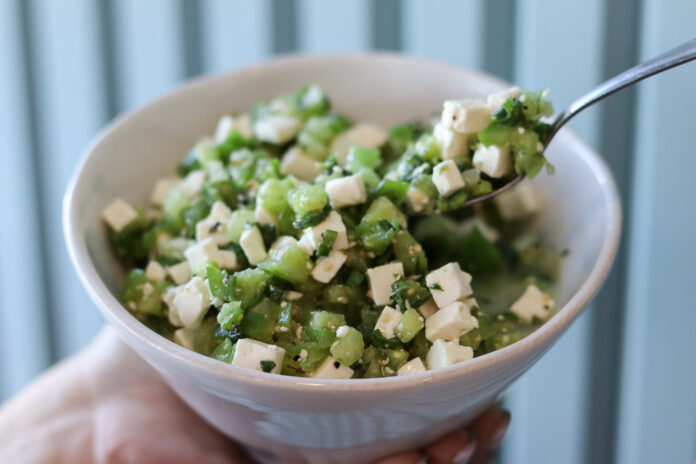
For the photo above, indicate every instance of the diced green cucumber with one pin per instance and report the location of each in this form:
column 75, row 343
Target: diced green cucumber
column 304, row 357
column 139, row 295
column 250, row 285
column 348, row 348
column 238, row 222
column 410, row 253
column 288, row 262
column 478, row 255
column 273, row 194
column 326, row 320
column 395, row 190
column 410, row 324
column 175, row 203
column 475, row 337
column 224, row 351
column 360, row 157
column 259, row 322
column 307, row 198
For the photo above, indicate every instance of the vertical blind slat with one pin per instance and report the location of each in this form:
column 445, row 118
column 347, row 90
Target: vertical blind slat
column 148, row 49
column 621, row 30
column 225, row 47
column 449, row 30
column 71, row 109
column 549, row 402
column 24, row 341
column 333, row 25
column 658, row 404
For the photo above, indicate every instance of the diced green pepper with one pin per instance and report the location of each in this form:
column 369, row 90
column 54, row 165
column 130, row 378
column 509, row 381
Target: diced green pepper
column 259, row 322
column 230, row 314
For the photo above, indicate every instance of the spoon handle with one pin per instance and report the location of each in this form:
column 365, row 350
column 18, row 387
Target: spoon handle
column 675, row 57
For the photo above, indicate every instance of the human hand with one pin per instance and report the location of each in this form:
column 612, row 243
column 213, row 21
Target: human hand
column 89, row 408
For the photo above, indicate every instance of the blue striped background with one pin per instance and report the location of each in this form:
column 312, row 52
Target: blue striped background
column 621, row 384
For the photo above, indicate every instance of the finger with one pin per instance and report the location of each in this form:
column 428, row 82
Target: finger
column 407, row 457
column 455, row 448
column 489, row 428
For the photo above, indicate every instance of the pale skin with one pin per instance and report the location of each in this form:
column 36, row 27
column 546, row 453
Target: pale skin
column 86, row 410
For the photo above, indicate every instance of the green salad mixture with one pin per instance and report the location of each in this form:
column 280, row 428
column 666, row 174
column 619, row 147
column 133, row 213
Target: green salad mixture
column 297, row 241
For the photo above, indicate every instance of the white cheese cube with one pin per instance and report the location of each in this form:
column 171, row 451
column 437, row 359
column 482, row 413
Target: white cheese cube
column 332, row 222
column 184, row 337
column 428, row 308
column 443, row 354
column 495, row 161
column 168, row 298
column 490, row 233
column 192, row 302
column 249, row 353
column 199, row 253
column 220, row 212
column 452, row 144
column 277, row 129
column 448, row 284
column 263, row 216
column 342, row 331
column 282, row 241
column 242, row 122
column 332, row 369
column 447, row 178
column 227, row 259
column 217, row 230
column 417, row 200
column 305, row 242
column 465, row 116
column 533, row 303
column 360, row 135
column 346, row 191
column 471, row 302
column 497, row 100
column 388, row 320
column 162, row 188
column 223, row 129
column 296, row 163
column 118, row 214
column 326, row 267
column 450, row 322
column 252, row 244
column 519, row 202
column 381, row 279
column 192, row 184
column 155, row 272
column 227, row 124
column 414, row 366
column 180, row 273
column 292, row 295
column 215, row 225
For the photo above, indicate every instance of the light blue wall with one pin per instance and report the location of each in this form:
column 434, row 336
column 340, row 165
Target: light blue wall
column 621, row 384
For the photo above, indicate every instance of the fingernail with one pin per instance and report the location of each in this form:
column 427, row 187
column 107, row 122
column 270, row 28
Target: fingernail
column 425, row 460
column 464, row 455
column 499, row 434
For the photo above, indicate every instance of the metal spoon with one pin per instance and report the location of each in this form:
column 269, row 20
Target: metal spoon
column 675, row 57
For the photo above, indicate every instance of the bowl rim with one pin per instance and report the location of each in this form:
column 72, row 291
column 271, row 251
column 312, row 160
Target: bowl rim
column 119, row 317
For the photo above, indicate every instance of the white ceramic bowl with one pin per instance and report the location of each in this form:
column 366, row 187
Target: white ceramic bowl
column 292, row 419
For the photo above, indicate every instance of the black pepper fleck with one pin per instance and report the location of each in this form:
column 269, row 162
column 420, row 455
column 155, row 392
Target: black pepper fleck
column 337, row 364
column 214, row 227
column 296, row 357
